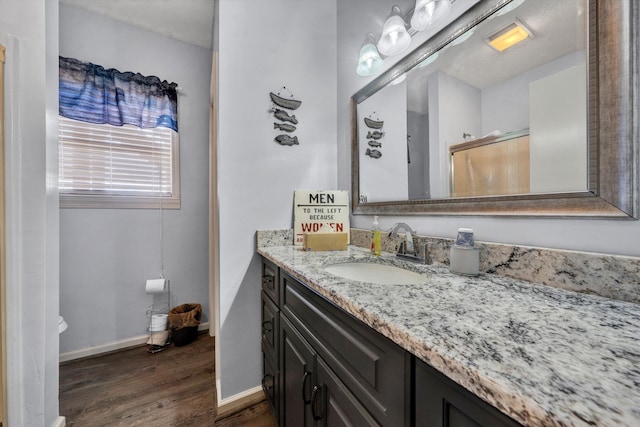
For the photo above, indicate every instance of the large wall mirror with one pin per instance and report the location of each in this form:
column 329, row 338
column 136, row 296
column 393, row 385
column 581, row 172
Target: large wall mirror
column 545, row 127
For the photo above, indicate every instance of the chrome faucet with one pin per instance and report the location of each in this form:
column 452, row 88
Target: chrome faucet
column 407, row 248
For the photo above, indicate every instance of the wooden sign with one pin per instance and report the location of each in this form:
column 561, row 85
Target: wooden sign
column 320, row 212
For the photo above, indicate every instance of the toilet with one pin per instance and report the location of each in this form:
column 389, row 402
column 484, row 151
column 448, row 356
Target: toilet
column 62, row 325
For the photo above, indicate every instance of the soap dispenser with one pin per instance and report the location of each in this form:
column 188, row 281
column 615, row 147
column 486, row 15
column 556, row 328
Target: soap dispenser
column 376, row 243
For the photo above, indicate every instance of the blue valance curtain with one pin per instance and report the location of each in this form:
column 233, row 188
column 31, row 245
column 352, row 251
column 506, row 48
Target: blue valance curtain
column 91, row 93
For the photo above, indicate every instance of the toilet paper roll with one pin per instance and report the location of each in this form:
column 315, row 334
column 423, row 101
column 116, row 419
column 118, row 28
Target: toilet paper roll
column 156, row 286
column 158, row 338
column 158, row 322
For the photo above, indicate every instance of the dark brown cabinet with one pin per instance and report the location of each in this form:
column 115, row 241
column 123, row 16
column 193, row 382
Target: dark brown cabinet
column 324, row 368
column 298, row 368
column 312, row 394
column 440, row 402
column 374, row 369
column 333, row 405
column 270, row 333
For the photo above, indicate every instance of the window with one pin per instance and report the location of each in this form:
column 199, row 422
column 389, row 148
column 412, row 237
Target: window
column 118, row 138
column 106, row 166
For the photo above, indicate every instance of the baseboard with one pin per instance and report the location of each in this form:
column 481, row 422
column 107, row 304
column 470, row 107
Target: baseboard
column 238, row 402
column 112, row 346
column 59, row 422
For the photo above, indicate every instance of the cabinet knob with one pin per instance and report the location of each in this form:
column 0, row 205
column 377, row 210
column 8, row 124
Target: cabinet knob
column 267, row 326
column 267, row 279
column 264, row 382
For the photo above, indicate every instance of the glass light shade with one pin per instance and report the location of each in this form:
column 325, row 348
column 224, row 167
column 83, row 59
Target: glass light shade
column 369, row 61
column 509, row 7
column 399, row 79
column 428, row 12
column 394, row 38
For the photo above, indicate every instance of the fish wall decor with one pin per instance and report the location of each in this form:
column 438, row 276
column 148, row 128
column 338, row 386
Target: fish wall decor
column 289, row 104
column 286, row 140
column 375, row 134
column 374, row 154
column 284, row 116
column 279, row 105
column 374, row 137
column 373, row 124
column 284, row 127
column 285, row 102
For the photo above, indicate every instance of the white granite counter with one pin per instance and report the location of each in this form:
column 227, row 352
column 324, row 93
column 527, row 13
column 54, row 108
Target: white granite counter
column 544, row 356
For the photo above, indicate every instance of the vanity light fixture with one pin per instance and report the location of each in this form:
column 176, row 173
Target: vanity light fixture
column 395, row 38
column 428, row 12
column 510, row 35
column 369, row 61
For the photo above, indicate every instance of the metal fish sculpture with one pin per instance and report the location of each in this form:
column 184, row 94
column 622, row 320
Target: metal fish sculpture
column 374, row 143
column 375, row 134
column 373, row 124
column 375, row 154
column 284, row 116
column 290, row 104
column 286, row 140
column 284, row 126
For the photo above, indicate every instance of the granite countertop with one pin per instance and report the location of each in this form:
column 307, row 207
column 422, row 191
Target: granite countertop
column 542, row 355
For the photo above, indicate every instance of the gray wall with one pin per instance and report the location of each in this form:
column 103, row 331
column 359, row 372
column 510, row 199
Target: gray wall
column 418, row 129
column 106, row 255
column 355, row 19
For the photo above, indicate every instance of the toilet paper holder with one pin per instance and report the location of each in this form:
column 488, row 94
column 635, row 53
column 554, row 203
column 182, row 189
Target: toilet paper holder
column 159, row 335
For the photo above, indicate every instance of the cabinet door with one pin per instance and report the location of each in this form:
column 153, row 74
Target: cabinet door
column 332, row 405
column 298, row 364
column 440, row 402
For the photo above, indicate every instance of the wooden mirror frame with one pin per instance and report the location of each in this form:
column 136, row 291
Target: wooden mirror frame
column 613, row 134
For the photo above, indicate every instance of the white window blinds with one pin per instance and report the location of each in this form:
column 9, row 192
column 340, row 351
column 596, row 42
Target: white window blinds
column 101, row 165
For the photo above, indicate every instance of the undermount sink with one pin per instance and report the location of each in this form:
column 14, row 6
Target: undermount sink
column 370, row 272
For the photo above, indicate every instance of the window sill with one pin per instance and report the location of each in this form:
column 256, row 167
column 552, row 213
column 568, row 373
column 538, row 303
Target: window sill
column 68, row 201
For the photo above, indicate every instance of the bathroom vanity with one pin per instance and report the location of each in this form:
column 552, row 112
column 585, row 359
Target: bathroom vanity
column 487, row 351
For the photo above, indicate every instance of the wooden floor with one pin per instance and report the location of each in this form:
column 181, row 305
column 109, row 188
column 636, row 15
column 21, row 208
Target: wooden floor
column 175, row 387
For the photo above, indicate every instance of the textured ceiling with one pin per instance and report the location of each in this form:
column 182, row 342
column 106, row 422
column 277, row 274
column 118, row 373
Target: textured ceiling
column 558, row 28
column 190, row 21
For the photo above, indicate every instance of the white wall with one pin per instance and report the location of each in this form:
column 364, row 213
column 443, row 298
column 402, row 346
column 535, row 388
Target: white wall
column 386, row 177
column 106, row 255
column 356, row 18
column 265, row 45
column 505, row 106
column 31, row 102
column 558, row 123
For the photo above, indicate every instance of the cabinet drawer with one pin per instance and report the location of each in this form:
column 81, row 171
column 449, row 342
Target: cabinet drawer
column 270, row 280
column 373, row 367
column 270, row 326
